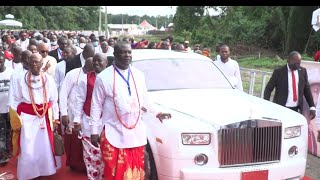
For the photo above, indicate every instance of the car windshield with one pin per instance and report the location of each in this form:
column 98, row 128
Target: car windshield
column 170, row 74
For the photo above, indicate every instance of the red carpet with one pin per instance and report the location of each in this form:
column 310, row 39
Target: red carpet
column 63, row 174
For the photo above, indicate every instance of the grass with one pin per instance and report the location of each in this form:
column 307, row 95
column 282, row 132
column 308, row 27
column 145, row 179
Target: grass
column 264, row 63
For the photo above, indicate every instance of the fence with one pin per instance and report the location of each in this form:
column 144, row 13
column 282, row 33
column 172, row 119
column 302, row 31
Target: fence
column 254, row 81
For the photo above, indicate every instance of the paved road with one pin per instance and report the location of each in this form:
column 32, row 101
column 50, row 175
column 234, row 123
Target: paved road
column 313, row 167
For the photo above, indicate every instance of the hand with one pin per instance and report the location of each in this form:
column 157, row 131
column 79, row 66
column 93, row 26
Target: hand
column 95, row 140
column 46, row 67
column 162, row 116
column 65, row 120
column 312, row 114
column 76, row 126
column 56, row 123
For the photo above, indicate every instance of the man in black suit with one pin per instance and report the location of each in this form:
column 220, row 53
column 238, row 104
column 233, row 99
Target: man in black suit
column 291, row 83
column 79, row 60
column 57, row 53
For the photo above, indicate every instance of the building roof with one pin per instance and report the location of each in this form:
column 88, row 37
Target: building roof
column 120, row 26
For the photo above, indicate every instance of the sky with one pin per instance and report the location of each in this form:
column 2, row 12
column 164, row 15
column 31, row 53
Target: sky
column 148, row 10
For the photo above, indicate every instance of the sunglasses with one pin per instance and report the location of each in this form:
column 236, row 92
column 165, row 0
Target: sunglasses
column 44, row 51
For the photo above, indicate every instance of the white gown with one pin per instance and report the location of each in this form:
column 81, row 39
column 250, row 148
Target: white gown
column 35, row 158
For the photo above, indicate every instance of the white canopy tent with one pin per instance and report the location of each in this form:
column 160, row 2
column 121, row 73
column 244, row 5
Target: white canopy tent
column 10, row 22
column 162, row 29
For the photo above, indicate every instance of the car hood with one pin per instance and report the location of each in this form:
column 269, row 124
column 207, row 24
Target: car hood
column 219, row 106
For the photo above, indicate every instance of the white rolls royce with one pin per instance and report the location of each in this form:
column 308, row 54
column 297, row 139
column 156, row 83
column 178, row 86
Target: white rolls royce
column 216, row 132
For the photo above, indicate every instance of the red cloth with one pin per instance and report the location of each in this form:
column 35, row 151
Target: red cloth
column 27, row 108
column 74, row 151
column 8, row 55
column 317, row 56
column 295, row 97
column 206, row 53
column 91, row 78
column 142, row 44
column 121, row 164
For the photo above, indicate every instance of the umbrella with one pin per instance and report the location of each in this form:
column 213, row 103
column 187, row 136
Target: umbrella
column 10, row 22
column 315, row 22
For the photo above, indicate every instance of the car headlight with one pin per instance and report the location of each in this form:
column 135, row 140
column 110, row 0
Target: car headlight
column 196, row 138
column 292, row 132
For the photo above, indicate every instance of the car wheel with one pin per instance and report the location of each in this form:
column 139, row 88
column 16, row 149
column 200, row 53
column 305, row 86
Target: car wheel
column 150, row 166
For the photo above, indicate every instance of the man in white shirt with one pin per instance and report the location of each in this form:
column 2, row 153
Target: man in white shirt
column 82, row 115
column 186, row 46
column 119, row 94
column 82, row 44
column 67, row 103
column 229, row 67
column 25, row 57
column 69, row 52
column 105, row 48
column 5, row 138
column 23, row 42
column 53, row 43
column 15, row 63
column 49, row 62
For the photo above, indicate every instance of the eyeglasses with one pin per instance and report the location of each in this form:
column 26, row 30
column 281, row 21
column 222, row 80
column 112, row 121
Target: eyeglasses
column 44, row 51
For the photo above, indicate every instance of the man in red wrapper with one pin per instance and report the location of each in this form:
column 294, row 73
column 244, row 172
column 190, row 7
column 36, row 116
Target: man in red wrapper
column 119, row 94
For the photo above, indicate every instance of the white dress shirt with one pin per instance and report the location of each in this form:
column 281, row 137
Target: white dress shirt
column 18, row 73
column 23, row 44
column 60, row 73
column 127, row 107
column 83, row 61
column 67, row 93
column 108, row 53
column 290, row 102
column 79, row 115
column 13, row 65
column 20, row 92
column 59, row 53
column 79, row 50
column 232, row 71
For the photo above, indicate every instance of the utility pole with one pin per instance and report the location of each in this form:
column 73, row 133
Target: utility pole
column 106, row 22
column 122, row 23
column 99, row 20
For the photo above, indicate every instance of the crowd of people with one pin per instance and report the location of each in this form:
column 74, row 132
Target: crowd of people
column 54, row 86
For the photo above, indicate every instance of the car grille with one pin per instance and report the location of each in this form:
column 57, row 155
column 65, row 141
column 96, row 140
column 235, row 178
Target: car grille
column 253, row 145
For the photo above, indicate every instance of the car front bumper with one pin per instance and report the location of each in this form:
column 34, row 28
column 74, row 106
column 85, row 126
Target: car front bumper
column 293, row 170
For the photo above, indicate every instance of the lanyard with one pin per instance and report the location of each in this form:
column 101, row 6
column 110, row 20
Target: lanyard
column 126, row 80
